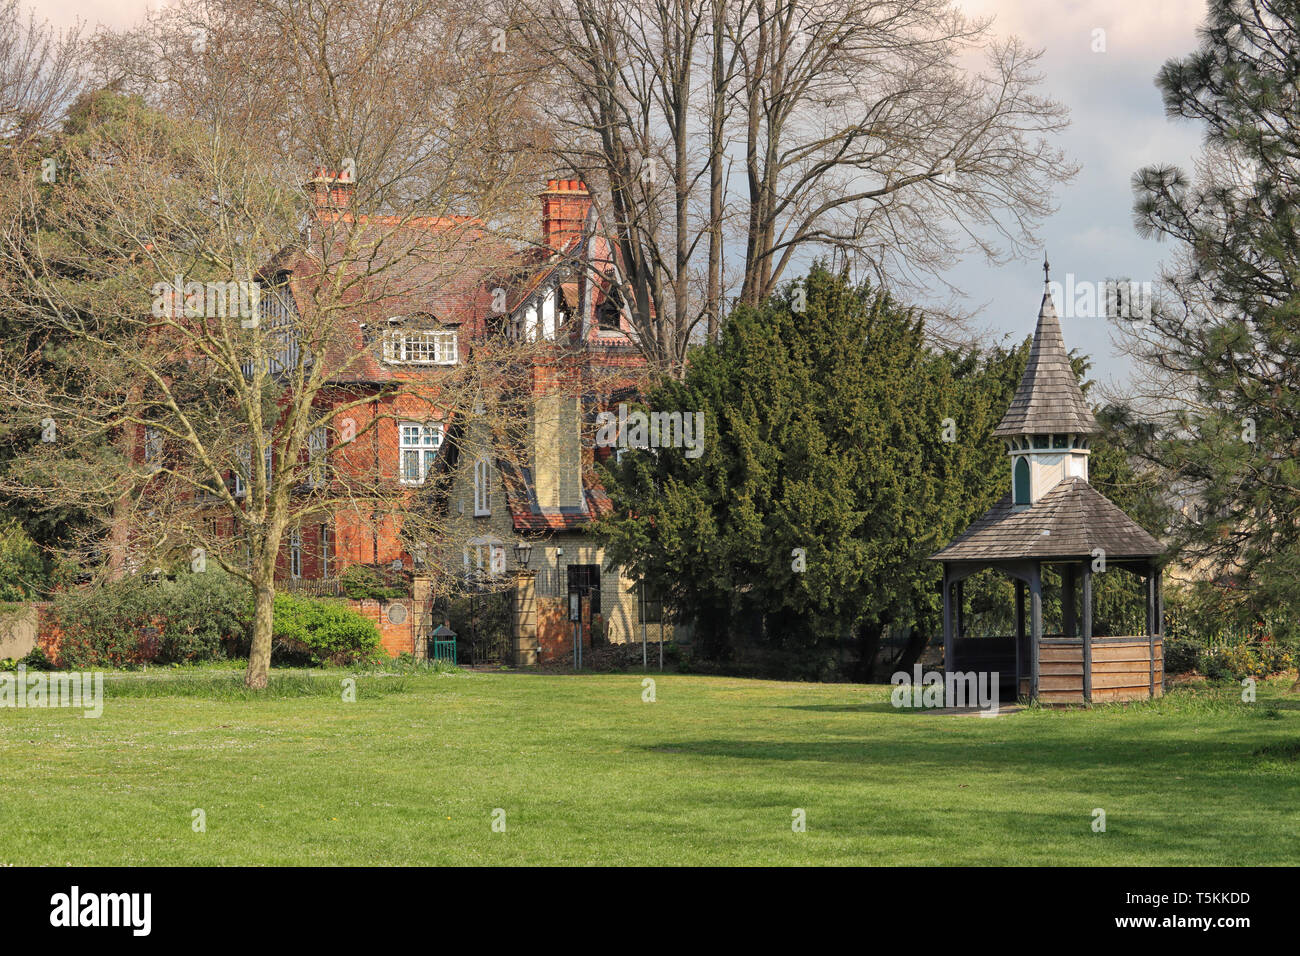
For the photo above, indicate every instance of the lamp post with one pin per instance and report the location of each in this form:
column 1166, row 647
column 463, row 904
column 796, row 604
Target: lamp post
column 523, row 553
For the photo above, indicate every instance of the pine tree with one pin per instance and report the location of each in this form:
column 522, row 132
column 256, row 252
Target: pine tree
column 1226, row 340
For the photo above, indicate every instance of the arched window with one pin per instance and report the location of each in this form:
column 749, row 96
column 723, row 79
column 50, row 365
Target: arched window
column 1021, row 484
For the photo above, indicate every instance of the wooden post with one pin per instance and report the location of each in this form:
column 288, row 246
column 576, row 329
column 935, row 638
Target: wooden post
column 1087, row 631
column 1160, row 625
column 1069, row 621
column 1151, row 628
column 947, row 623
column 960, row 588
column 1035, row 626
column 1020, row 629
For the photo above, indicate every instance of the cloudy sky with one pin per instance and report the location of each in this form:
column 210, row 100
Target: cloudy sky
column 1118, row 126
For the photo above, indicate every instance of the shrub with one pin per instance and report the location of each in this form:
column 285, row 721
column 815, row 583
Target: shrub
column 361, row 582
column 137, row 619
column 1240, row 661
column 322, row 631
column 1181, row 657
column 33, row 660
column 22, row 571
column 206, row 616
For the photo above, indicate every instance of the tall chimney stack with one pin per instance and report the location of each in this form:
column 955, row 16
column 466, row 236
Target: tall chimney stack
column 330, row 190
column 565, row 204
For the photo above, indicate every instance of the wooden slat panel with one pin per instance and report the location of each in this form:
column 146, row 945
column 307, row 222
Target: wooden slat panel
column 1121, row 693
column 1141, row 671
column 1060, row 667
column 1071, row 654
column 1131, row 679
column 1120, row 667
column 1061, row 697
column 1120, row 652
column 1060, row 683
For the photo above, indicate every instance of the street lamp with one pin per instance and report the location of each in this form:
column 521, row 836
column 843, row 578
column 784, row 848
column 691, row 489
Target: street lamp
column 523, row 553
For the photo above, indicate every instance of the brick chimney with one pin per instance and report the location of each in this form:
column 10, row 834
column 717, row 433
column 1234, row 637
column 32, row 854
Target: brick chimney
column 565, row 204
column 330, row 190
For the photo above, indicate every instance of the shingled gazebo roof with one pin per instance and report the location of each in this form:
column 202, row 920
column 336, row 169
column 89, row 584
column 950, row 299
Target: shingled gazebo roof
column 1048, row 398
column 1071, row 521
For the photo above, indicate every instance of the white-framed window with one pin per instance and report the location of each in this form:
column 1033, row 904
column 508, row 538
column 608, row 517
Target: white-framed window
column 421, row 347
column 326, row 550
column 418, row 448
column 317, row 463
column 244, row 455
column 295, row 553
column 485, row 555
column 482, row 486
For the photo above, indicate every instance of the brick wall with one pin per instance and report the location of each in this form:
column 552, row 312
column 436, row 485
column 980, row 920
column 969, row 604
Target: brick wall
column 397, row 638
column 555, row 631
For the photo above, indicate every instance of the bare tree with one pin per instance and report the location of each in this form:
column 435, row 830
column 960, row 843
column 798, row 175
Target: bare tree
column 227, row 329
column 856, row 126
column 39, row 74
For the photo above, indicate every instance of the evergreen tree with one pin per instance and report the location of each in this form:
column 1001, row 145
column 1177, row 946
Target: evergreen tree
column 841, row 452
column 1225, row 342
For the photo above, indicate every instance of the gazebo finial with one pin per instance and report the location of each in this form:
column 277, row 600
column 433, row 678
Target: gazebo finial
column 1047, row 274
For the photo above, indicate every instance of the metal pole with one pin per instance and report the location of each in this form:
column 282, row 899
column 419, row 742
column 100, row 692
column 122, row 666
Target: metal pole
column 645, row 649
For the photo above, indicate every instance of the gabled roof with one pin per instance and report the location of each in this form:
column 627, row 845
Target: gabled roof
column 1048, row 398
column 1071, row 520
column 527, row 515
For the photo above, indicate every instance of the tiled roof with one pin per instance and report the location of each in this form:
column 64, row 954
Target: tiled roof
column 527, row 515
column 1071, row 520
column 1048, row 398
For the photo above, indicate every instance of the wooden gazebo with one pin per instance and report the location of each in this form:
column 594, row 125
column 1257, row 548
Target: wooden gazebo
column 1053, row 517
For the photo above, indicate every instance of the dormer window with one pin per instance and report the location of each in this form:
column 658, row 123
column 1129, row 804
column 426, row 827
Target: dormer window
column 609, row 316
column 420, row 347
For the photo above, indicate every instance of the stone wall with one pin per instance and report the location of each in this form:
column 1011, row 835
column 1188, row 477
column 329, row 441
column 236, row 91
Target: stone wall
column 18, row 630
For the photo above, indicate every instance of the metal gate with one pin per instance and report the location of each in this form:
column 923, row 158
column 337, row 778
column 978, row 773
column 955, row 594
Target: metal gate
column 482, row 622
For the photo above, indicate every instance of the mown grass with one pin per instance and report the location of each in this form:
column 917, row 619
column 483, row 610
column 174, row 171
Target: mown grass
column 587, row 772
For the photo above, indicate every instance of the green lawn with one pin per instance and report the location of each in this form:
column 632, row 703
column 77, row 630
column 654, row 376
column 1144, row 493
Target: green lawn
column 586, row 772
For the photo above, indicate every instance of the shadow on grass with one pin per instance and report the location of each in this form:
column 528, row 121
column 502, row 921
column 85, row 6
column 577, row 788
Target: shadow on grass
column 880, row 707
column 1150, row 758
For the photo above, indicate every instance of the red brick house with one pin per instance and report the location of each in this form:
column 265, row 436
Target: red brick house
column 557, row 293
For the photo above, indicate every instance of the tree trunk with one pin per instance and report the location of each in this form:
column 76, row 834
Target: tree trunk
column 259, row 653
column 717, row 151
